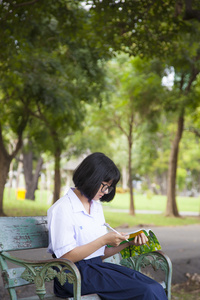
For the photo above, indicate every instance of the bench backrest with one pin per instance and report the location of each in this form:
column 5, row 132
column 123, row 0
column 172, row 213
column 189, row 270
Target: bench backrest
column 19, row 233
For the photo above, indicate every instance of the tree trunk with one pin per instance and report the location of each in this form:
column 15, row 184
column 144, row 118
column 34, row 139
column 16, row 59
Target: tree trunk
column 28, row 172
column 171, row 209
column 161, row 180
column 5, row 161
column 10, row 182
column 19, row 171
column 132, row 208
column 31, row 179
column 57, row 177
column 48, row 177
column 124, row 178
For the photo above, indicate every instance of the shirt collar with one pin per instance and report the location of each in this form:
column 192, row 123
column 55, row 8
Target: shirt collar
column 75, row 201
column 77, row 204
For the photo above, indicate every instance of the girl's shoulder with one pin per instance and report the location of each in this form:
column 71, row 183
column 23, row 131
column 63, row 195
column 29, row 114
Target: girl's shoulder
column 64, row 203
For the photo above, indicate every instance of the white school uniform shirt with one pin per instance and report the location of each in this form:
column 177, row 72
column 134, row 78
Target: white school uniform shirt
column 70, row 225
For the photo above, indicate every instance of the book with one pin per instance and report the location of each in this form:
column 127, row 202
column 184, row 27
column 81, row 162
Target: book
column 132, row 250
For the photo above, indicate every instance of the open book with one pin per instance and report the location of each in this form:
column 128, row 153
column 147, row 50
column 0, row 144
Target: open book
column 152, row 244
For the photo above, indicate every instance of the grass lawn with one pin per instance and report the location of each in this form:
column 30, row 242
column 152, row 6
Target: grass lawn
column 155, row 202
column 117, row 219
column 14, row 207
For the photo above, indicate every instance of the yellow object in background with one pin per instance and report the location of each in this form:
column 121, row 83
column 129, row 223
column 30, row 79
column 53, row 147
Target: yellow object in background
column 21, row 193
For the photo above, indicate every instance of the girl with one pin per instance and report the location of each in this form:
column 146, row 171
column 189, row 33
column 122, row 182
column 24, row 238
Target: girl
column 77, row 232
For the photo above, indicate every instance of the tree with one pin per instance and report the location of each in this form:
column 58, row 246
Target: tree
column 168, row 30
column 151, row 155
column 133, row 98
column 46, row 74
column 31, row 178
column 192, row 132
column 189, row 168
column 6, row 157
column 186, row 69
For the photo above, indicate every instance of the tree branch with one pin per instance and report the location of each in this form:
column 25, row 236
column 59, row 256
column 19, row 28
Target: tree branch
column 118, row 124
column 17, row 147
column 193, row 76
column 191, row 13
column 195, row 131
column 2, row 147
column 26, row 3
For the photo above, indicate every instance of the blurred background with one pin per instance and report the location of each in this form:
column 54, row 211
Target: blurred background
column 113, row 76
column 119, row 77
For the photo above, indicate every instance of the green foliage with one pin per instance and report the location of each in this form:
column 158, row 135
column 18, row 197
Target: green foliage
column 152, row 150
column 146, row 28
column 181, row 178
column 133, row 95
column 52, row 63
column 138, row 27
column 47, row 75
column 189, row 159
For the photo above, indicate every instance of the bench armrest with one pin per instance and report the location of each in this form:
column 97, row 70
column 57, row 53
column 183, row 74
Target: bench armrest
column 156, row 259
column 40, row 271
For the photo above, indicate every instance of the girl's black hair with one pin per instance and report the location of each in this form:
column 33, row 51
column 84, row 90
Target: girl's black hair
column 93, row 170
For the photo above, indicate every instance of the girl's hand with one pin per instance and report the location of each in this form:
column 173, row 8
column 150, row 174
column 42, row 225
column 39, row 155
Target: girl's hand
column 114, row 239
column 139, row 240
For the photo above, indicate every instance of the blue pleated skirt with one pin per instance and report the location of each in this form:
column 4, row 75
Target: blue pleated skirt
column 112, row 282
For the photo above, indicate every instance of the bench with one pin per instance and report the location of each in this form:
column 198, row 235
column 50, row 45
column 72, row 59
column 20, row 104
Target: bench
column 23, row 233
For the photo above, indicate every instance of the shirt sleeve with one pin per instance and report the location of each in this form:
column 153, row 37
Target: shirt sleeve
column 61, row 231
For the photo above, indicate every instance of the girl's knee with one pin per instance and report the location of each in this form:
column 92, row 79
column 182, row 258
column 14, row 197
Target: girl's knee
column 154, row 291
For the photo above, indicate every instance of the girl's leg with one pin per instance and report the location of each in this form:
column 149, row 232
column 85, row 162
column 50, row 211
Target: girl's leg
column 112, row 282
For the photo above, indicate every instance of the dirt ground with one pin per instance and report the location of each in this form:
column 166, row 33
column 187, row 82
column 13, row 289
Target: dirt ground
column 189, row 290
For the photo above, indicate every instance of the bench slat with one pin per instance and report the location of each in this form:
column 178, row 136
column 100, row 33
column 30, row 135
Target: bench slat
column 19, row 233
column 14, row 278
column 53, row 297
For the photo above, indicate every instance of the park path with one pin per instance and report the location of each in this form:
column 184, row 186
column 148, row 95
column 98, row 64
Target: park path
column 153, row 212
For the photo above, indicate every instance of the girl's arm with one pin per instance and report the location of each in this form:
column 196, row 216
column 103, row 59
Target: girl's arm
column 109, row 251
column 139, row 240
column 83, row 251
column 111, row 238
